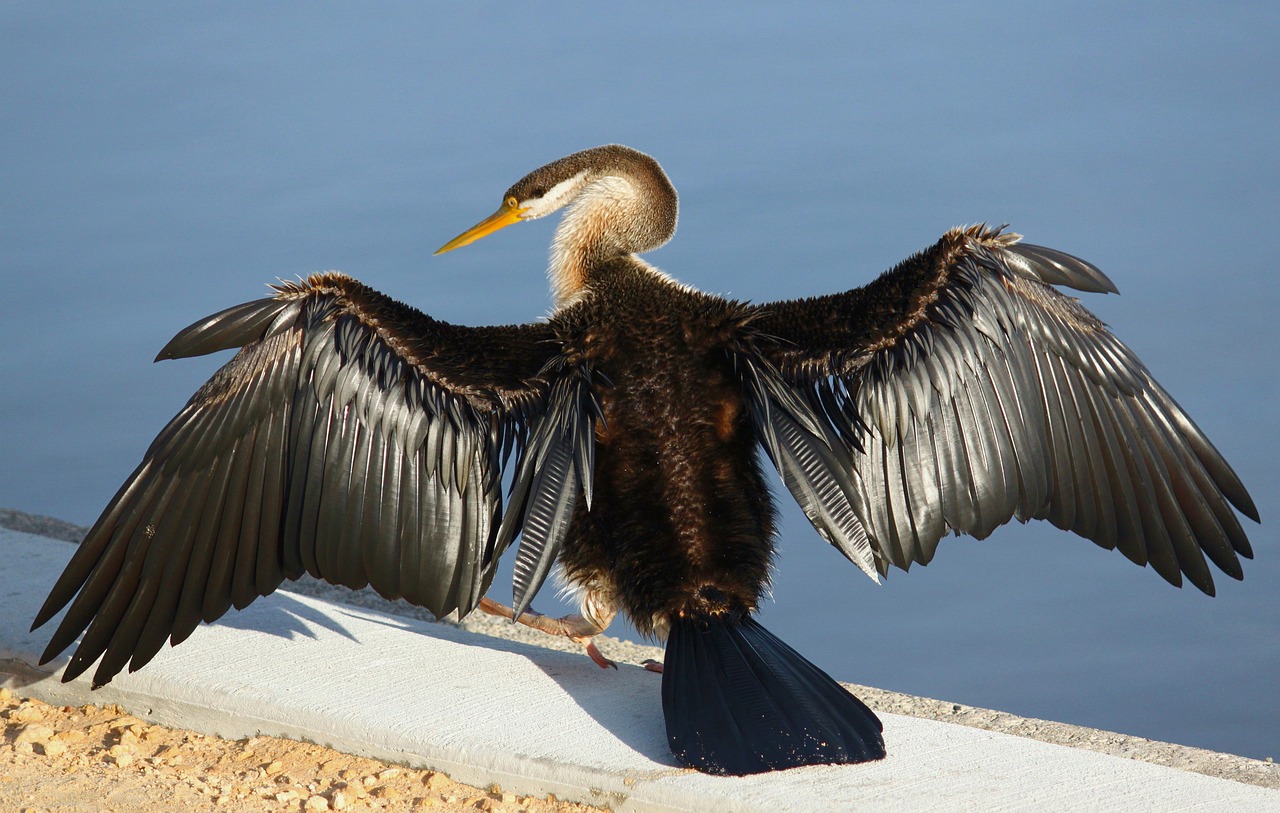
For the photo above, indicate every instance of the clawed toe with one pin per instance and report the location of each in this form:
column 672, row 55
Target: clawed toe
column 594, row 652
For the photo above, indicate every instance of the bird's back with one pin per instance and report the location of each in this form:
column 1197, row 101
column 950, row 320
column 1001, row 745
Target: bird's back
column 681, row 519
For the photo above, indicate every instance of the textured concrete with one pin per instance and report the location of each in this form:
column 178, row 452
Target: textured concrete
column 539, row 721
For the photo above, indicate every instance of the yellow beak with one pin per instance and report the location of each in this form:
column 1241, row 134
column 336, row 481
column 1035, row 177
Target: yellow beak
column 505, row 216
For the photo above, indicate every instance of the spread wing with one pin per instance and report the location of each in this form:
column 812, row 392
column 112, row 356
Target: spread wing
column 961, row 390
column 352, row 438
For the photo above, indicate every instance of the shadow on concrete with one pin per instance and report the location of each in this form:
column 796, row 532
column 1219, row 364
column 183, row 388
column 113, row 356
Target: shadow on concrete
column 287, row 617
column 596, row 691
column 638, row 724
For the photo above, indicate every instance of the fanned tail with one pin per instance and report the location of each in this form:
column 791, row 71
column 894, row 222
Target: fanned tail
column 738, row 700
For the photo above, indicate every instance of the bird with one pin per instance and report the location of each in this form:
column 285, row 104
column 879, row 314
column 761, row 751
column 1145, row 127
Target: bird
column 359, row 440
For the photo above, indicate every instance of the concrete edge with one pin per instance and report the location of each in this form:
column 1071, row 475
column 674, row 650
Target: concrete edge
column 1261, row 773
column 210, row 720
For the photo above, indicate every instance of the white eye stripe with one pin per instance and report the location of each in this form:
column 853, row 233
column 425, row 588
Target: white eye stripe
column 554, row 198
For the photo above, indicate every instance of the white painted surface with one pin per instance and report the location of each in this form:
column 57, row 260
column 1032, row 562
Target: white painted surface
column 538, row 721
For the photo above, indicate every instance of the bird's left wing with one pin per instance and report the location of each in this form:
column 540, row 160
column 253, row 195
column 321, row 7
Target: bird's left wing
column 961, row 390
column 353, row 438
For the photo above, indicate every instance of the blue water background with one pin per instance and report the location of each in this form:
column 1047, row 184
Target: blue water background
column 161, row 161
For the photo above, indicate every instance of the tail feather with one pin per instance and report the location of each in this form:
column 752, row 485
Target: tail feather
column 737, row 700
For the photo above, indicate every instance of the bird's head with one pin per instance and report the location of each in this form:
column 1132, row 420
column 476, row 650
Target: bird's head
column 628, row 202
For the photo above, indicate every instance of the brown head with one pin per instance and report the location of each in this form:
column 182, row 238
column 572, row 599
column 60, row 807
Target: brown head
column 619, row 201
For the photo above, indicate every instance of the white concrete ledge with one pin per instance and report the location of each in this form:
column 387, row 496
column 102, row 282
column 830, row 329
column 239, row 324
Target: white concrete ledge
column 537, row 721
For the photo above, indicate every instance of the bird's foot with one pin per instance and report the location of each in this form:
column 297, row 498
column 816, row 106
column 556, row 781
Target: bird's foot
column 651, row 665
column 593, row 652
column 574, row 627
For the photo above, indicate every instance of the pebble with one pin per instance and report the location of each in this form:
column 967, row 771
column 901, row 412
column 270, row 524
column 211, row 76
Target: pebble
column 55, row 748
column 26, row 713
column 126, row 722
column 386, row 792
column 435, row 781
column 339, row 801
column 122, row 754
column 35, row 733
column 316, row 802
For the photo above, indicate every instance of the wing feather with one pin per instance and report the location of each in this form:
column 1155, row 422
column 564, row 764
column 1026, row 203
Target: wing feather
column 809, row 456
column 351, row 437
column 553, row 467
column 965, row 391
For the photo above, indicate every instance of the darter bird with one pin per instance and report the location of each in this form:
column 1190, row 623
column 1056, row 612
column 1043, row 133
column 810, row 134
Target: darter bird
column 363, row 442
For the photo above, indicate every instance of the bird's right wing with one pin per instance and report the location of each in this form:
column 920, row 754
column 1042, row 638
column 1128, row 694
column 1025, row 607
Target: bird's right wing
column 352, row 438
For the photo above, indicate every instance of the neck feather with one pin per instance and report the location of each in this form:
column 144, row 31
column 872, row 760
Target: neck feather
column 613, row 216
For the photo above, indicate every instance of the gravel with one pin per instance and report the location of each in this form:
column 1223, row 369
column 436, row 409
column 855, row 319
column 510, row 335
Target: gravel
column 104, row 759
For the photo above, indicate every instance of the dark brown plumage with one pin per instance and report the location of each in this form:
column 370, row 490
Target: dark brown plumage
column 363, row 442
column 694, row 457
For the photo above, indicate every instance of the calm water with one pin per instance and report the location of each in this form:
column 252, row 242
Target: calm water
column 159, row 164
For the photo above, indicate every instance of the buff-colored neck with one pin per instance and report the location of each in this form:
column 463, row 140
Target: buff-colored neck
column 593, row 230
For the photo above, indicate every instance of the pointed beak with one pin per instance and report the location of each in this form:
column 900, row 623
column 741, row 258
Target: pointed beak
column 508, row 214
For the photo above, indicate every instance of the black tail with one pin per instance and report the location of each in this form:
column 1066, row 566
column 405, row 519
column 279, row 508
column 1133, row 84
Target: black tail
column 738, row 700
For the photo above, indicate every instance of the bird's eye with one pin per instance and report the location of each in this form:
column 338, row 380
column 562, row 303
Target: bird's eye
column 511, row 202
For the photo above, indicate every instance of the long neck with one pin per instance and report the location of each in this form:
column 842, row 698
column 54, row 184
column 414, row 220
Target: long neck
column 619, row 211
column 587, row 235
